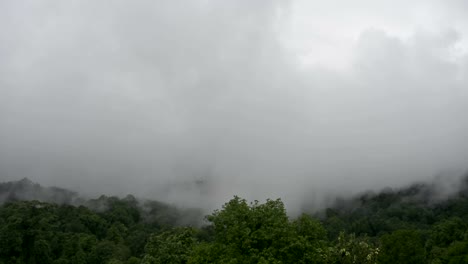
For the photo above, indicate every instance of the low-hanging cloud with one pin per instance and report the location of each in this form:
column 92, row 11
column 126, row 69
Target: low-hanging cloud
column 194, row 102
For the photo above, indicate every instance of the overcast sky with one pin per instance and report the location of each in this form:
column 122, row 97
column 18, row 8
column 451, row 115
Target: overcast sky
column 195, row 101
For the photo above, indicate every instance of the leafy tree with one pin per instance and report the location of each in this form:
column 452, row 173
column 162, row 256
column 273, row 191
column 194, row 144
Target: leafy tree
column 403, row 246
column 260, row 233
column 307, row 242
column 172, row 246
column 456, row 253
column 351, row 249
column 447, row 231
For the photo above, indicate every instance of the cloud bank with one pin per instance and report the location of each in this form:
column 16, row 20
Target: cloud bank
column 193, row 102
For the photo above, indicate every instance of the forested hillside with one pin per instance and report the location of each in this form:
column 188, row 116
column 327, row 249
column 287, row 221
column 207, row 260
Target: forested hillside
column 394, row 226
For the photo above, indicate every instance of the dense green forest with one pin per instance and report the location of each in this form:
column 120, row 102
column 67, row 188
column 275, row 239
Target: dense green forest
column 409, row 225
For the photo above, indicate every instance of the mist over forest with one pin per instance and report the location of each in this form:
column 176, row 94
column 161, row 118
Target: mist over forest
column 272, row 99
column 188, row 104
column 419, row 223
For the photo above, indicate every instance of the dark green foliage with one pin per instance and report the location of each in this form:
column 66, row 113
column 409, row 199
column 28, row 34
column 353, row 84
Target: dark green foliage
column 37, row 232
column 402, row 226
column 260, row 233
column 173, row 246
column 409, row 225
column 402, row 246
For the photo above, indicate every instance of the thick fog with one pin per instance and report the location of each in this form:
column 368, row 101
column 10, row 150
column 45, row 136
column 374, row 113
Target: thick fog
column 192, row 102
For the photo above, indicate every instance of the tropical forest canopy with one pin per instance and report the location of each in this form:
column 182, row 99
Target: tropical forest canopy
column 393, row 226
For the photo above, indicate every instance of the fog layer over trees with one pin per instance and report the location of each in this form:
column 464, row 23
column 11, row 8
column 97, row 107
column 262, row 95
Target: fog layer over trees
column 195, row 102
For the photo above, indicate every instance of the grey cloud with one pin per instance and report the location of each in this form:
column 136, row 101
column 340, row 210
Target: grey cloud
column 160, row 98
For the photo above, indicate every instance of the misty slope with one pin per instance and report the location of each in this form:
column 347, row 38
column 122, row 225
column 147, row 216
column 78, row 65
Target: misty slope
column 431, row 194
column 421, row 223
column 25, row 189
column 148, row 210
column 418, row 206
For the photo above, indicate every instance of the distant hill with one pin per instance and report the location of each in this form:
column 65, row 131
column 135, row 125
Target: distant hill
column 25, row 189
column 150, row 210
column 418, row 206
column 435, row 193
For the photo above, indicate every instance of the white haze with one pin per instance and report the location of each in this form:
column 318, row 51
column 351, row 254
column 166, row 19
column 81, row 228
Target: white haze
column 192, row 102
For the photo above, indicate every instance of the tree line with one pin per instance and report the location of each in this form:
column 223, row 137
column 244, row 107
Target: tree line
column 401, row 226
